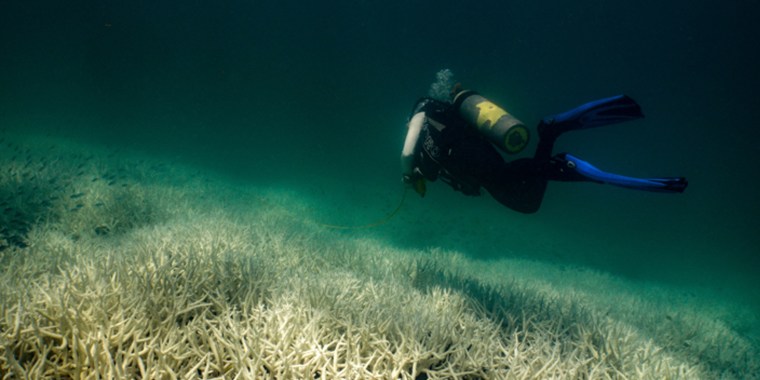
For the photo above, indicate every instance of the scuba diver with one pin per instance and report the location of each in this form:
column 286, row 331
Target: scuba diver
column 455, row 140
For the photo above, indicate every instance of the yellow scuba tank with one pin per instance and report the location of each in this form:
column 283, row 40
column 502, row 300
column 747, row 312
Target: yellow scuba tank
column 493, row 122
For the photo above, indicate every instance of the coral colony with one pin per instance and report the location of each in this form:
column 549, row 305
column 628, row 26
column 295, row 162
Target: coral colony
column 114, row 265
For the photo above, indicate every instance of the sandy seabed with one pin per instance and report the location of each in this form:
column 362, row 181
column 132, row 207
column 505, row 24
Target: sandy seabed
column 114, row 265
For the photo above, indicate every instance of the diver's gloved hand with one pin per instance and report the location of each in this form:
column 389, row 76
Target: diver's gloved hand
column 416, row 182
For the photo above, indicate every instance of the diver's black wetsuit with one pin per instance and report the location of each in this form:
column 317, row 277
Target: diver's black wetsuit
column 450, row 149
column 440, row 143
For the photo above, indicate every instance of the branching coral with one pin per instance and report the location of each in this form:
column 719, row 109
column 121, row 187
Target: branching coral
column 190, row 290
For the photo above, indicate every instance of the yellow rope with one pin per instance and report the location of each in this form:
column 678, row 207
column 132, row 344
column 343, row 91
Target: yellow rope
column 370, row 225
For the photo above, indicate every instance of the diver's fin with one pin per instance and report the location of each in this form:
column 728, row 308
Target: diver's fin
column 612, row 110
column 577, row 169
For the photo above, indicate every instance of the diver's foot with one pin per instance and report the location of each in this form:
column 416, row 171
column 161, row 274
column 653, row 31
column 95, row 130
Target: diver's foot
column 567, row 167
column 612, row 110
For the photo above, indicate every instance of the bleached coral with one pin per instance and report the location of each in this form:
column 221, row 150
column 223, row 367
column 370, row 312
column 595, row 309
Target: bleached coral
column 204, row 292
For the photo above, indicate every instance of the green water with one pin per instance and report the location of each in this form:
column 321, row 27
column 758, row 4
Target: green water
column 315, row 96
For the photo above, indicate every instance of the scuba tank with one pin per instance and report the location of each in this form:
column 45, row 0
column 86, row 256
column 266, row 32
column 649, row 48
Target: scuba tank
column 493, row 122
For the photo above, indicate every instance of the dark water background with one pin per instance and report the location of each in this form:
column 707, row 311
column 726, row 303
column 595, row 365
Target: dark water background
column 295, row 91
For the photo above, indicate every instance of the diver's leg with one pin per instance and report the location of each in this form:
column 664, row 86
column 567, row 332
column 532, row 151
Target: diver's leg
column 544, row 148
column 520, row 185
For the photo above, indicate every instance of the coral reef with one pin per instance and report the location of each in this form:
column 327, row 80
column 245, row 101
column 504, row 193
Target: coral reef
column 155, row 280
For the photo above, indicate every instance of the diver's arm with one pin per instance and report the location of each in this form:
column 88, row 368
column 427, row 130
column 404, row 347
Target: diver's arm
column 412, row 135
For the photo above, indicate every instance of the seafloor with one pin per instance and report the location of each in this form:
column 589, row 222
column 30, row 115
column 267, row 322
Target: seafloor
column 114, row 264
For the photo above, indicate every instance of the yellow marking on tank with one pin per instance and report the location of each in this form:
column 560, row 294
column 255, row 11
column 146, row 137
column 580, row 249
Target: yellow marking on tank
column 489, row 112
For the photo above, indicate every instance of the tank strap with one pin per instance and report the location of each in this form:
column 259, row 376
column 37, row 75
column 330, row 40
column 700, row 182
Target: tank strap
column 461, row 96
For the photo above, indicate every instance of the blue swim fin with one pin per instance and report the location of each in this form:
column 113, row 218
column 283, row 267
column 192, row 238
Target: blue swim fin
column 589, row 172
column 612, row 110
